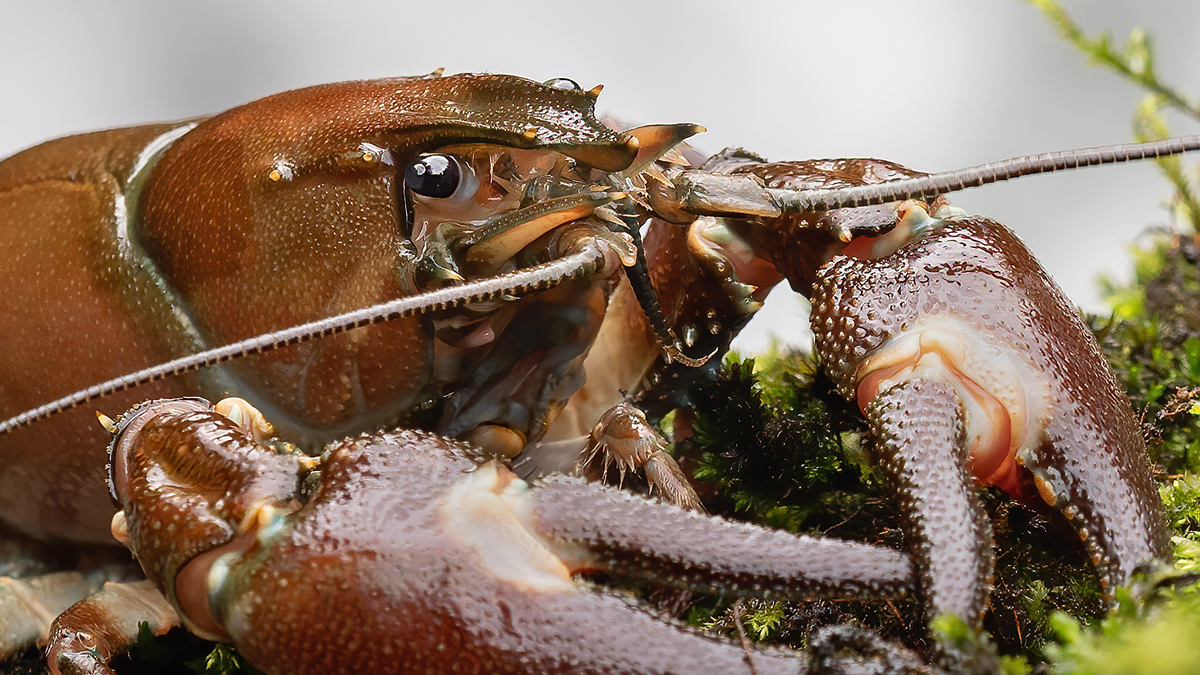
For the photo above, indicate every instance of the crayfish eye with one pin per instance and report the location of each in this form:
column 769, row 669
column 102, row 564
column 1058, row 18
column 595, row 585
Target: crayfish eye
column 436, row 176
column 563, row 83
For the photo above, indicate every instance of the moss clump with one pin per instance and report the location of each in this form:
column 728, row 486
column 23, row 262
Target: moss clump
column 1158, row 634
column 1153, row 344
column 781, row 446
column 222, row 660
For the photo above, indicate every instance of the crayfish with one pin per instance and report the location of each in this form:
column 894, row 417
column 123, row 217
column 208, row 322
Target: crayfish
column 484, row 275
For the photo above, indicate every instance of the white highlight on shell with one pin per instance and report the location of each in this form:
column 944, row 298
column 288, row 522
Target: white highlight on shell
column 137, row 178
column 489, row 511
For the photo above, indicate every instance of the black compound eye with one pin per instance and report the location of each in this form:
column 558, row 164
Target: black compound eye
column 563, row 83
column 433, row 176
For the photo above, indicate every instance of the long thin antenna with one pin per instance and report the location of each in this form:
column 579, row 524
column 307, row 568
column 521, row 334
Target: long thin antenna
column 543, row 276
column 953, row 181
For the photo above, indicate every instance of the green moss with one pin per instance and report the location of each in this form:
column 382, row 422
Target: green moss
column 1153, row 345
column 780, row 444
column 1159, row 635
column 1181, row 501
column 760, row 619
column 222, row 660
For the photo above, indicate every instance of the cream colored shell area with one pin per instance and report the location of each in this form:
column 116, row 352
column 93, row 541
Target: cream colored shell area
column 1004, row 397
column 489, row 511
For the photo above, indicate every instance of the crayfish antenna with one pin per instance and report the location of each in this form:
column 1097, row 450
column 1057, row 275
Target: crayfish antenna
column 638, row 275
column 699, row 192
column 975, row 176
column 514, row 283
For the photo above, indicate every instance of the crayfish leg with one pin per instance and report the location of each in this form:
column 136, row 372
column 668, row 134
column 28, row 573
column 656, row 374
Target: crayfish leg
column 27, row 604
column 623, row 441
column 85, row 637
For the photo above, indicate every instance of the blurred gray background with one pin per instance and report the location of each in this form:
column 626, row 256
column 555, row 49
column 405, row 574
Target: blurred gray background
column 934, row 84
